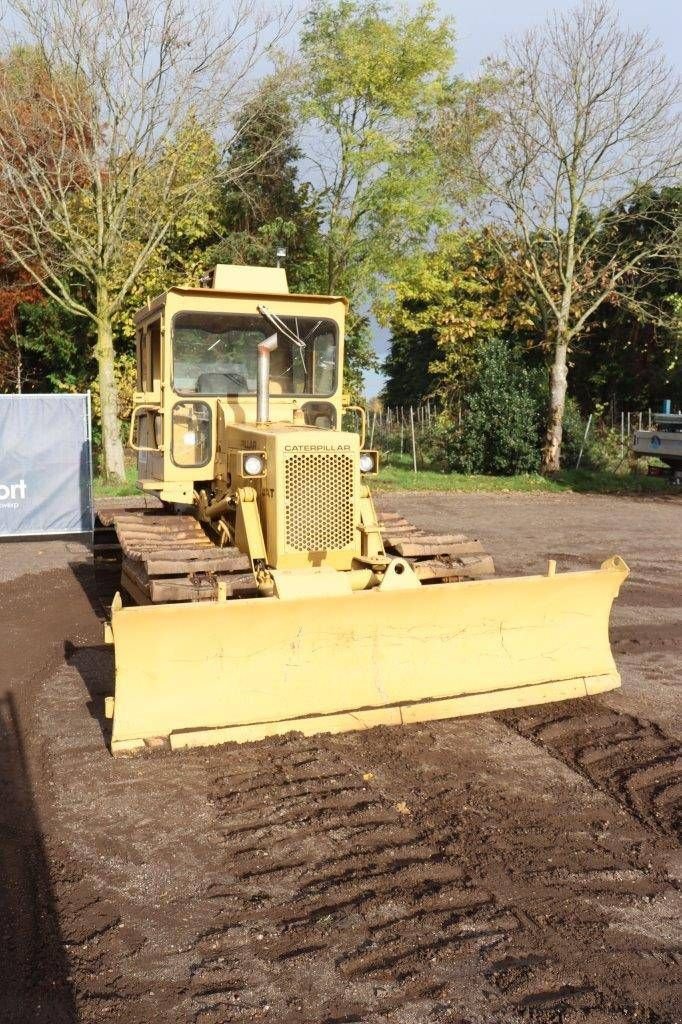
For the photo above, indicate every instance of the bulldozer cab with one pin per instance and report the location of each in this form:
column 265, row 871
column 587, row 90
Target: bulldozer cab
column 197, row 367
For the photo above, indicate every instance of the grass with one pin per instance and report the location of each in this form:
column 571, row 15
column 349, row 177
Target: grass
column 604, row 482
column 103, row 489
column 401, row 478
column 397, row 475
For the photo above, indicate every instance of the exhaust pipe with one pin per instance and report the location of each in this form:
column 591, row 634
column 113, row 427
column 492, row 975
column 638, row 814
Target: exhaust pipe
column 263, row 379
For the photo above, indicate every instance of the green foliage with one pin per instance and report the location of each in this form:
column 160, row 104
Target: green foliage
column 446, row 301
column 264, row 205
column 602, row 449
column 371, row 83
column 56, row 351
column 500, row 428
column 360, row 353
column 463, row 291
column 180, row 258
column 374, row 120
column 409, row 377
column 55, row 347
column 392, row 65
column 632, row 347
column 573, row 434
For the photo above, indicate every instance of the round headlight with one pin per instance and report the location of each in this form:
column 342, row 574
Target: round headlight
column 253, row 465
column 366, row 463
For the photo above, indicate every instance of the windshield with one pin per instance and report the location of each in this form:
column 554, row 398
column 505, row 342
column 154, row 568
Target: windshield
column 215, row 354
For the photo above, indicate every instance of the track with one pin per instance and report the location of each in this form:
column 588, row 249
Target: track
column 374, row 860
column 632, row 760
column 169, row 558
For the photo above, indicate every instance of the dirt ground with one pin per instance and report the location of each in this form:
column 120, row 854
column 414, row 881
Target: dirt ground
column 518, row 867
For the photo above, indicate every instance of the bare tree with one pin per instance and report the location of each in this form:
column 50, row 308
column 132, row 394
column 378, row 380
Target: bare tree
column 91, row 160
column 583, row 126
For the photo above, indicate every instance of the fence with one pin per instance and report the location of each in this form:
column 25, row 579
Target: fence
column 45, row 465
column 401, row 429
column 629, row 422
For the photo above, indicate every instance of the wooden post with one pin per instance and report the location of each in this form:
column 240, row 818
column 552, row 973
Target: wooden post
column 414, row 443
column 587, row 430
column 641, row 415
column 374, row 423
column 402, row 432
column 649, row 427
column 622, row 435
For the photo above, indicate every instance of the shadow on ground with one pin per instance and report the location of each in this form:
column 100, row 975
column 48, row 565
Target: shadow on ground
column 95, row 666
column 34, row 973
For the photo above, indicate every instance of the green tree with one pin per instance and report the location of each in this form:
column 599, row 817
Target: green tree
column 55, row 346
column 447, row 301
column 632, row 349
column 500, row 429
column 584, row 122
column 89, row 198
column 181, row 255
column 372, row 81
column 264, row 205
column 408, row 367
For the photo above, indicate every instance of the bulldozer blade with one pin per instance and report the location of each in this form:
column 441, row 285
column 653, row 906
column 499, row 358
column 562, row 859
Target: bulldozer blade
column 204, row 673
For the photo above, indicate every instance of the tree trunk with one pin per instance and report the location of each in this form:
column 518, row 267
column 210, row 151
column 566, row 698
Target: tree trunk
column 551, row 453
column 112, row 447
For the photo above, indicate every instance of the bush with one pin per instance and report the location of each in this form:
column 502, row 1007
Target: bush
column 572, row 436
column 500, row 429
column 602, row 449
column 436, row 444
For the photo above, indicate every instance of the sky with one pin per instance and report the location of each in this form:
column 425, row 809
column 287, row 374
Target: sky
column 481, row 26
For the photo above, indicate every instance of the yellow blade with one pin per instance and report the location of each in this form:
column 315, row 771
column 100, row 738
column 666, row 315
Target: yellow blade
column 245, row 669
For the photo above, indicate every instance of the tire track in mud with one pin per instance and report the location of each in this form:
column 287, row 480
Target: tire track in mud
column 391, row 894
column 105, row 953
column 630, row 759
column 323, row 866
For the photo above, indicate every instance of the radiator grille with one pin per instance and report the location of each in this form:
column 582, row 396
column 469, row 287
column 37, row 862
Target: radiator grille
column 319, row 502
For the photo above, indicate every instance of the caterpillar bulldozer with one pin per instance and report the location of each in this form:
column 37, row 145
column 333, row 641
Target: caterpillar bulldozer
column 263, row 593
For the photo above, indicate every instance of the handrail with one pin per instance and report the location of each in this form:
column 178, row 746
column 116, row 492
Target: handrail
column 363, row 420
column 137, row 409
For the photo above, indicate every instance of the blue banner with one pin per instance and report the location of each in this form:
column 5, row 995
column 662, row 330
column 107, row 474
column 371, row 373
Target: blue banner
column 45, row 465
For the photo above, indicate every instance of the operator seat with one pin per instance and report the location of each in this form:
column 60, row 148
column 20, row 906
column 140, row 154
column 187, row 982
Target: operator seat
column 222, row 384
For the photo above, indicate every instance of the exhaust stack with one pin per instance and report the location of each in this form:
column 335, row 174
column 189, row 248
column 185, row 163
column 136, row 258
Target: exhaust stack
column 263, row 379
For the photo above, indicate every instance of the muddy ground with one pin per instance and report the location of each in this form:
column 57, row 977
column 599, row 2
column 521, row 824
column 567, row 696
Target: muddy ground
column 518, row 867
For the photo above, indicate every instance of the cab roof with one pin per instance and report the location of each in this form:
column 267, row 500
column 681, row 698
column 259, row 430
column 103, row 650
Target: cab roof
column 244, row 282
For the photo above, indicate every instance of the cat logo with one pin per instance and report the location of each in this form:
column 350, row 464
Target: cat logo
column 316, row 447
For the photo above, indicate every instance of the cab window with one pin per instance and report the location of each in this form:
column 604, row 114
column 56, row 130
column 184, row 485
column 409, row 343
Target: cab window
column 215, row 354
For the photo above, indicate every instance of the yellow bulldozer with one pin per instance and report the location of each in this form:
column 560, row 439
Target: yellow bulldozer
column 263, row 594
